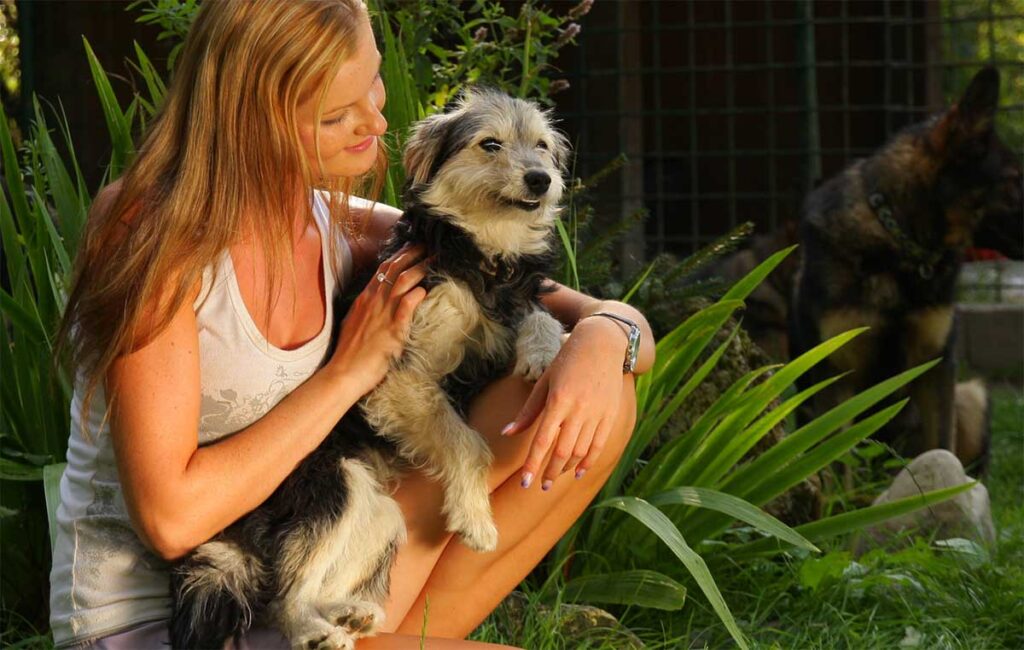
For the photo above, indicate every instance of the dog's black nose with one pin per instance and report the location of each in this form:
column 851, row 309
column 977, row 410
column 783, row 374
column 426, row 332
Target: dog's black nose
column 537, row 181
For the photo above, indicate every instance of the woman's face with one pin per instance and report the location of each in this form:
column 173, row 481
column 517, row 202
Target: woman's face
column 351, row 120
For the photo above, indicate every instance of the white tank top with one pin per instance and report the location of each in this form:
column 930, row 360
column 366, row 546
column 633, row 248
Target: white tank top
column 103, row 579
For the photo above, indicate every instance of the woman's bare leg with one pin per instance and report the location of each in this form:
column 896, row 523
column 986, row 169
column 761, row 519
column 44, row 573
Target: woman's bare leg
column 463, row 586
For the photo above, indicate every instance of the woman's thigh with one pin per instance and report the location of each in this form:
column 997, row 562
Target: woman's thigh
column 421, row 498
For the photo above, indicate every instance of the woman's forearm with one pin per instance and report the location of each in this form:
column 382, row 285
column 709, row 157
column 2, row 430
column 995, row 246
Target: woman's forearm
column 227, row 479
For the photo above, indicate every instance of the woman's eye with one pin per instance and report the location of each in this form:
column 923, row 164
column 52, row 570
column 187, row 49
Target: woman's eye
column 542, row 145
column 490, row 145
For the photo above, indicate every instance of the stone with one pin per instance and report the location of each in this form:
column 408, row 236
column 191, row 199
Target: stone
column 967, row 515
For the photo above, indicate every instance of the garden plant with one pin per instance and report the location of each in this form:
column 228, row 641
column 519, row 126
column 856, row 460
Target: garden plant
column 685, row 515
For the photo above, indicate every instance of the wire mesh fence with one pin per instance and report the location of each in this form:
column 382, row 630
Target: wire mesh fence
column 731, row 111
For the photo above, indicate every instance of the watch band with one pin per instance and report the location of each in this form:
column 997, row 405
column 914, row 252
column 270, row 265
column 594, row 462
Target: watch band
column 633, row 336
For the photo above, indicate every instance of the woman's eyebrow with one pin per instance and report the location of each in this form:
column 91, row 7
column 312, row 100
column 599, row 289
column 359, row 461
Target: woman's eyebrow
column 336, row 109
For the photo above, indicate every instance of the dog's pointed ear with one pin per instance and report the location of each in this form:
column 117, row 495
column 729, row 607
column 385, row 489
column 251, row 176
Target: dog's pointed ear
column 971, row 118
column 424, row 145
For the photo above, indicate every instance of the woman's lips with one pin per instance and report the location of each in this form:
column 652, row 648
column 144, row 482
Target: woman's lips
column 362, row 146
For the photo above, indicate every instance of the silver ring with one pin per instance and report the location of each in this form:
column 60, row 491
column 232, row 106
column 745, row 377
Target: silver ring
column 383, row 278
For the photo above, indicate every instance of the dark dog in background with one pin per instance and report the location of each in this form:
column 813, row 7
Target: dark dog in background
column 881, row 246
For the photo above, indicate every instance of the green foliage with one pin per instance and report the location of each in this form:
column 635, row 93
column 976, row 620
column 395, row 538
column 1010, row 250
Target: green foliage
column 42, row 216
column 696, row 483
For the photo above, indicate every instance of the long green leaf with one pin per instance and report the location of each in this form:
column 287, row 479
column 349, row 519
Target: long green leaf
column 748, row 478
column 641, row 587
column 656, row 475
column 749, row 437
column 16, row 214
column 735, row 507
column 27, row 323
column 850, row 521
column 639, row 283
column 14, row 471
column 750, row 281
column 661, row 526
column 118, row 125
column 786, row 477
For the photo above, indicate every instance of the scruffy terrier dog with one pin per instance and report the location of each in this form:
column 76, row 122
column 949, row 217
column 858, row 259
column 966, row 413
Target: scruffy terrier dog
column 882, row 244
column 484, row 186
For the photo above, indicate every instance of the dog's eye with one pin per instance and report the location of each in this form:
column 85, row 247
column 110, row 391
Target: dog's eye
column 490, row 145
column 542, row 145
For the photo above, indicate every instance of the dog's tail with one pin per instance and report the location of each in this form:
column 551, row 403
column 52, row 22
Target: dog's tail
column 216, row 591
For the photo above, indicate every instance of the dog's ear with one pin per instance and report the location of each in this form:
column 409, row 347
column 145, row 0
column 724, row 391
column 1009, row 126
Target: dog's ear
column 560, row 148
column 972, row 118
column 423, row 147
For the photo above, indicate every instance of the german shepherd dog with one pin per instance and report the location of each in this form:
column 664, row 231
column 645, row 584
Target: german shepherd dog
column 485, row 180
column 882, row 244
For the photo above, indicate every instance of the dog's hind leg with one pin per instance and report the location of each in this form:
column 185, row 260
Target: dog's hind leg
column 411, row 409
column 216, row 591
column 325, row 567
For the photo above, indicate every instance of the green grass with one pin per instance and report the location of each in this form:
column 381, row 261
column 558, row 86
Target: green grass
column 882, row 599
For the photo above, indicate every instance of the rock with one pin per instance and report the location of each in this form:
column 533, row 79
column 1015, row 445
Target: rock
column 581, row 626
column 966, row 515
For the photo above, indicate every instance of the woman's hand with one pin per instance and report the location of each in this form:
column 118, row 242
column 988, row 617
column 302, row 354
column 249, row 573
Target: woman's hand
column 577, row 399
column 376, row 327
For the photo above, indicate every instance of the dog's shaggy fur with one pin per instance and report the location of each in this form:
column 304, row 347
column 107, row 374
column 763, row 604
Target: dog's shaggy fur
column 484, row 186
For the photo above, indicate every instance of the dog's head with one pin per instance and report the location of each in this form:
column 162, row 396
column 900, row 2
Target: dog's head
column 957, row 163
column 493, row 164
column 980, row 177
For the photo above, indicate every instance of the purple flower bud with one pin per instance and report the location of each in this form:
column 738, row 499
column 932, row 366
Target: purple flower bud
column 567, row 34
column 582, row 9
column 480, row 34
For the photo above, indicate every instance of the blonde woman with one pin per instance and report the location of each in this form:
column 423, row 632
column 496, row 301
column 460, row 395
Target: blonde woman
column 198, row 323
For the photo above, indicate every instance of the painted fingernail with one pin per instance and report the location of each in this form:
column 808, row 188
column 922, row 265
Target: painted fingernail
column 580, row 473
column 546, row 485
column 527, row 479
column 508, row 428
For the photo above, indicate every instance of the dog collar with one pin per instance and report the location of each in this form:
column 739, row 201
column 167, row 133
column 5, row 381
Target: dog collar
column 923, row 259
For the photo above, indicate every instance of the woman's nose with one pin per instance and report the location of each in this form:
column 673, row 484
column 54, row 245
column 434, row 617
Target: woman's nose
column 373, row 121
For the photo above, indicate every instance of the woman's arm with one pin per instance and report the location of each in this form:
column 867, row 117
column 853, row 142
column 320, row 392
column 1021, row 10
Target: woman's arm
column 577, row 399
column 178, row 494
column 570, row 306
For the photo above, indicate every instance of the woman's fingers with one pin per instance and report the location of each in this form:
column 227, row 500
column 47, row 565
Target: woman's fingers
column 547, row 432
column 596, row 446
column 563, row 450
column 582, row 448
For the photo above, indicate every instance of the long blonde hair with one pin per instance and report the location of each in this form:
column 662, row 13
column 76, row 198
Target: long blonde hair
column 222, row 155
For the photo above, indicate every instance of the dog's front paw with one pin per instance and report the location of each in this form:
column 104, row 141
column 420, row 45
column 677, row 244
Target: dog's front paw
column 359, row 619
column 335, row 638
column 531, row 367
column 478, row 532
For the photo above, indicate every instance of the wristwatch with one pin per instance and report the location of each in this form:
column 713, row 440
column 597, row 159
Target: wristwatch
column 633, row 345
